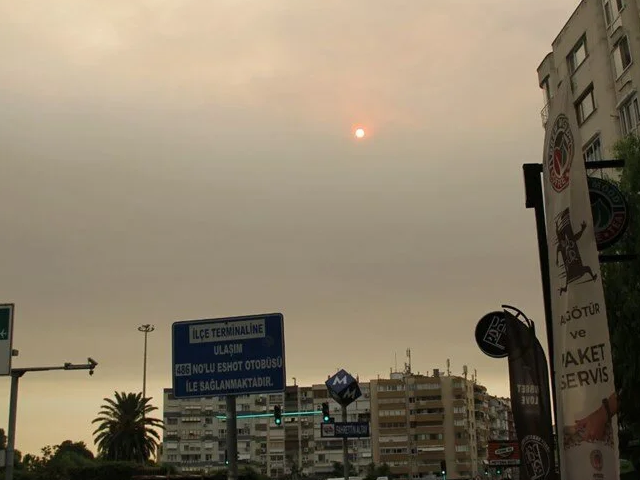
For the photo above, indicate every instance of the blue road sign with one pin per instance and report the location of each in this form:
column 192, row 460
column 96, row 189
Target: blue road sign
column 228, row 356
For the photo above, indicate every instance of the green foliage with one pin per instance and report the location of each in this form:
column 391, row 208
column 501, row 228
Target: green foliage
column 64, row 469
column 622, row 292
column 374, row 471
column 125, row 430
column 338, row 469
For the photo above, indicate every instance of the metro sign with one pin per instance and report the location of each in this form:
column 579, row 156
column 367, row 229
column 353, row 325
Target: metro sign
column 343, row 388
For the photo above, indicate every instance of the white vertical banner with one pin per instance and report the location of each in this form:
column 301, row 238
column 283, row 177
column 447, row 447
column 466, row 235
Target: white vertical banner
column 587, row 403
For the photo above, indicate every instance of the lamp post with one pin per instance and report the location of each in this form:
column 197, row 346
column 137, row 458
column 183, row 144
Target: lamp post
column 146, row 329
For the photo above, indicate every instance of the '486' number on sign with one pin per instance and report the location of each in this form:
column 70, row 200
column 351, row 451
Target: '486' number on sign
column 183, row 369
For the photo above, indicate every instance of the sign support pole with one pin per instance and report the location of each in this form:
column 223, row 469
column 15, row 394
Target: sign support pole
column 11, row 434
column 345, row 447
column 232, row 438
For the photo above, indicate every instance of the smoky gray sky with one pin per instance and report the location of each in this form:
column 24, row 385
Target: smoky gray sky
column 171, row 159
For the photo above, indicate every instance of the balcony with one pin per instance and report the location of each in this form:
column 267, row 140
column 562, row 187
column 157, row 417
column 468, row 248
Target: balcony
column 544, row 113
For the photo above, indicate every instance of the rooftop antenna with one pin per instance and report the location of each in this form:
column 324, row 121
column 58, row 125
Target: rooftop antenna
column 464, row 371
column 407, row 366
column 448, row 367
column 395, row 361
column 475, row 375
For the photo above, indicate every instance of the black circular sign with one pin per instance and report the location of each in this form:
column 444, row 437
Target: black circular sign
column 491, row 333
column 609, row 210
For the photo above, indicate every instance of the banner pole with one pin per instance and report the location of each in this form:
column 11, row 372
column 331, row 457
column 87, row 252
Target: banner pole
column 534, row 199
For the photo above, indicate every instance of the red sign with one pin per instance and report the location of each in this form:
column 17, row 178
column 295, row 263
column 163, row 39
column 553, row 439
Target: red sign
column 503, row 453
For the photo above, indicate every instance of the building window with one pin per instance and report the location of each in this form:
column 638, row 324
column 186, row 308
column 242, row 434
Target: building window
column 577, row 55
column 612, row 9
column 630, row 116
column 593, row 151
column 546, row 93
column 621, row 56
column 608, row 14
column 585, row 105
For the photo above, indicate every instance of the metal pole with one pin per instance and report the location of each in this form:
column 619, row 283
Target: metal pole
column 144, row 368
column 534, row 199
column 146, row 329
column 345, row 447
column 11, row 435
column 232, row 438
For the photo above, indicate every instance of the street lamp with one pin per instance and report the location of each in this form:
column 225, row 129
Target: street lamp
column 146, row 329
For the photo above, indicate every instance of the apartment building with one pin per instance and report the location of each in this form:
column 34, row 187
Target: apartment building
column 195, row 434
column 416, row 421
column 501, row 426
column 598, row 51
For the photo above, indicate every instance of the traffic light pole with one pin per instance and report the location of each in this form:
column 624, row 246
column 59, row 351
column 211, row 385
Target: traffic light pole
column 16, row 373
column 232, row 438
column 345, row 447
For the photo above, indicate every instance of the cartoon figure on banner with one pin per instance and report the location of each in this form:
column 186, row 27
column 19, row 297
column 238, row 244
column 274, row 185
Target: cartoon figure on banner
column 568, row 247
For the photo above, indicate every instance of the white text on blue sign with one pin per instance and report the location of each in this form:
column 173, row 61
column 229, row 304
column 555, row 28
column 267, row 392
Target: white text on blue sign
column 226, row 332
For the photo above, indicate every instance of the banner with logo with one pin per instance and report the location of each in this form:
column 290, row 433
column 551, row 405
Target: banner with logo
column 530, row 400
column 503, row 453
column 587, row 403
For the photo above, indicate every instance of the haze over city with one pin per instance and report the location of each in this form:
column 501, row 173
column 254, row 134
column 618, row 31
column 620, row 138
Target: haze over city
column 168, row 161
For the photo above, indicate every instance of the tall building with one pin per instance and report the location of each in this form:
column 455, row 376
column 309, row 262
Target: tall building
column 598, row 52
column 416, row 422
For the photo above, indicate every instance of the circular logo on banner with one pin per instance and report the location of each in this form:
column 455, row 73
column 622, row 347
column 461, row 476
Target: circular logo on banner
column 610, row 212
column 560, row 153
column 596, row 460
column 538, row 455
column 491, row 334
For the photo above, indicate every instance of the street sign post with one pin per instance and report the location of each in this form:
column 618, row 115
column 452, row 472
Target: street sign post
column 229, row 356
column 6, row 338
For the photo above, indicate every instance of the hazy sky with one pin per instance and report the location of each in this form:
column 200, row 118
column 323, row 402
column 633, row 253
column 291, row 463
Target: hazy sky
column 167, row 160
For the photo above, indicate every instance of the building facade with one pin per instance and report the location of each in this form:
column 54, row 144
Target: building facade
column 416, row 422
column 598, row 52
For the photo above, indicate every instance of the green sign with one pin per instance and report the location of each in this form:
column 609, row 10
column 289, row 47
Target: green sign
column 5, row 323
column 6, row 338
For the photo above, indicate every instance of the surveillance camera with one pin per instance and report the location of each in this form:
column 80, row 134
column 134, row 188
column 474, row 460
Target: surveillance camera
column 92, row 361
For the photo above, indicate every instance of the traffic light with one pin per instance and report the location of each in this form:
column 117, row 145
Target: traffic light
column 226, row 458
column 277, row 414
column 325, row 412
column 499, row 471
column 486, row 471
column 443, row 467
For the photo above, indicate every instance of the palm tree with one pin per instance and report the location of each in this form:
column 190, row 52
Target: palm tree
column 125, row 430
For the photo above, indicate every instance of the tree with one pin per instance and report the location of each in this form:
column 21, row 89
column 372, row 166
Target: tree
column 373, row 471
column 75, row 448
column 338, row 469
column 621, row 283
column 125, row 429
